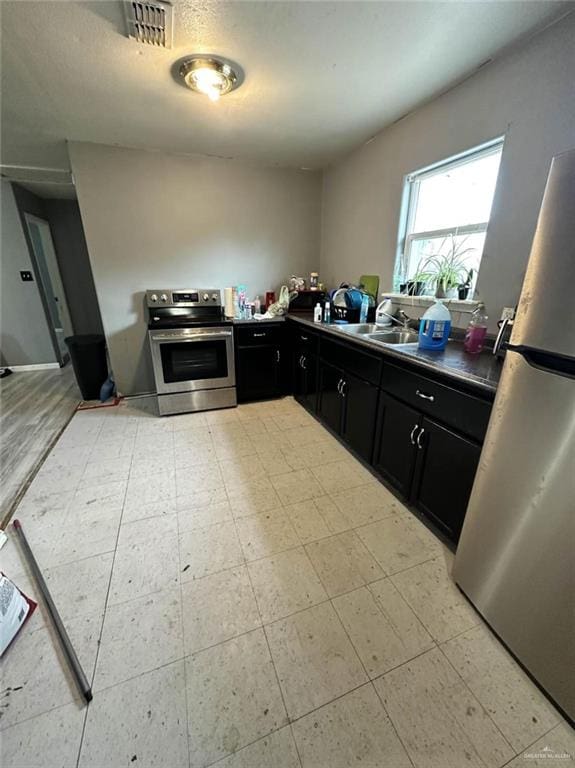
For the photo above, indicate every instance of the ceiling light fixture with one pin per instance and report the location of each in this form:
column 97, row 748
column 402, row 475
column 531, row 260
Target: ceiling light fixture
column 211, row 76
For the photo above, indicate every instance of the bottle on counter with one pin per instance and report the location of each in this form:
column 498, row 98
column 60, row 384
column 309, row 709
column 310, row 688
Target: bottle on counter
column 317, row 313
column 257, row 305
column 476, row 331
column 384, row 311
column 313, row 281
column 327, row 312
column 364, row 308
column 434, row 327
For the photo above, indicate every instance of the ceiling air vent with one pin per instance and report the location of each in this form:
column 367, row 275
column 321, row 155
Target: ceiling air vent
column 150, row 22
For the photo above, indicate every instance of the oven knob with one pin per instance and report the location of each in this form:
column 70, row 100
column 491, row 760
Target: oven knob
column 163, row 297
column 153, row 297
column 205, row 297
column 214, row 296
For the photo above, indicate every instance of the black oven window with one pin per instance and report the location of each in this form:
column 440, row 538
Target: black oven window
column 195, row 360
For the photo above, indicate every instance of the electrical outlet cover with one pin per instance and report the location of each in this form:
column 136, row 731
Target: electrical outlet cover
column 507, row 312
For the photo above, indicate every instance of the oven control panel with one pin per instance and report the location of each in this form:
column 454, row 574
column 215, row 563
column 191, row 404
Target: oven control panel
column 185, row 297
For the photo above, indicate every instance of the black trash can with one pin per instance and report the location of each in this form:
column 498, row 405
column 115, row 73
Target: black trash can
column 88, row 353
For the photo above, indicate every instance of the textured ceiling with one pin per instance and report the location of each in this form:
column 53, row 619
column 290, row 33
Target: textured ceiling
column 321, row 77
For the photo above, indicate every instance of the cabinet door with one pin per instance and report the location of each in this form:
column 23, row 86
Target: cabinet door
column 258, row 374
column 309, row 395
column 359, row 415
column 445, row 470
column 395, row 450
column 299, row 375
column 330, row 400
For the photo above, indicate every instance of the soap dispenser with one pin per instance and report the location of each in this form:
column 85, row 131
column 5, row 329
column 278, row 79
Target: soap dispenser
column 476, row 331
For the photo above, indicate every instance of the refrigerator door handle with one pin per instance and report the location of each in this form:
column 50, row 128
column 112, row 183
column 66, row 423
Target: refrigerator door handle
column 499, row 339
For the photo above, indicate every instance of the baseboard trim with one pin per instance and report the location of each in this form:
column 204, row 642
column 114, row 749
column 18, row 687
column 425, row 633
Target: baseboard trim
column 35, row 367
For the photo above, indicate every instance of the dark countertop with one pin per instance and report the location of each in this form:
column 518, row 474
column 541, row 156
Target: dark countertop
column 482, row 371
column 251, row 321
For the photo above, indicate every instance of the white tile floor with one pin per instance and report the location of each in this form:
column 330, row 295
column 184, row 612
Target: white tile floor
column 241, row 591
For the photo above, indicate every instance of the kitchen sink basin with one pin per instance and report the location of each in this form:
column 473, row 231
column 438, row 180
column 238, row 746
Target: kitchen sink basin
column 361, row 328
column 394, row 337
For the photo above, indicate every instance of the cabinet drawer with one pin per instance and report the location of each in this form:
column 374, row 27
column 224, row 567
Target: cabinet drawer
column 362, row 364
column 253, row 336
column 459, row 410
column 305, row 341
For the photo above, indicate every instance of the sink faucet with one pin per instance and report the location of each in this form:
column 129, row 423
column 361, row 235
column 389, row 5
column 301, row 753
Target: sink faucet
column 404, row 322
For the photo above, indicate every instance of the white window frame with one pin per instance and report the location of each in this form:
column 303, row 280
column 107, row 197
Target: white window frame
column 410, row 197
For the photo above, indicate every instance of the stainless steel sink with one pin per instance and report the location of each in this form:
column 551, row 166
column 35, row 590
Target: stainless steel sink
column 361, row 328
column 394, row 337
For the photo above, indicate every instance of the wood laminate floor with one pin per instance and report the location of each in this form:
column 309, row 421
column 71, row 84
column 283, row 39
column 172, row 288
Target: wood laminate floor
column 34, row 408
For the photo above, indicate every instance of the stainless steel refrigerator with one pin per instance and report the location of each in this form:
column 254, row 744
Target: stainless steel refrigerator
column 516, row 556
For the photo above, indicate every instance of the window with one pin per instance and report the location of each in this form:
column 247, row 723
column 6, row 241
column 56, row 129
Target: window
column 445, row 217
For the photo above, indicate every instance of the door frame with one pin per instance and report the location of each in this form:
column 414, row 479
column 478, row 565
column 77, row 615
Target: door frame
column 62, row 357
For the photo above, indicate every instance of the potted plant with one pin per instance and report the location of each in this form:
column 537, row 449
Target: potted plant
column 446, row 269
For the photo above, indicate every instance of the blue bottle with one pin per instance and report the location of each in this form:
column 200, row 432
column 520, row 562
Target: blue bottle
column 364, row 308
column 434, row 327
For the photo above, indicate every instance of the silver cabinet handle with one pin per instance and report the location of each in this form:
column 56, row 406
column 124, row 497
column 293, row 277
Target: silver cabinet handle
column 277, row 355
column 339, row 383
column 299, row 362
column 258, row 334
column 303, row 362
column 413, row 433
column 343, row 387
column 419, row 439
column 303, row 338
column 423, row 396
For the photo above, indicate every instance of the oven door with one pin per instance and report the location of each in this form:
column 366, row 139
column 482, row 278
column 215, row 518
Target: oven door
column 189, row 359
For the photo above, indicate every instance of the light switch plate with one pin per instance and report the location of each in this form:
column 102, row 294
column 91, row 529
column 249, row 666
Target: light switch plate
column 507, row 313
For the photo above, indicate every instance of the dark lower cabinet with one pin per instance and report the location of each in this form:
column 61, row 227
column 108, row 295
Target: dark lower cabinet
column 329, row 406
column 347, row 405
column 358, row 427
column 396, row 450
column 422, row 435
column 304, row 379
column 429, row 464
column 259, row 372
column 444, row 474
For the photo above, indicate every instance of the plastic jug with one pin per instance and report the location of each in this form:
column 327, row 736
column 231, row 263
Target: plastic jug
column 434, row 327
column 383, row 311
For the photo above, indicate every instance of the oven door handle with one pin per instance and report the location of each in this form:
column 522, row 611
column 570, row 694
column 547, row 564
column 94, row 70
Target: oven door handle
column 199, row 335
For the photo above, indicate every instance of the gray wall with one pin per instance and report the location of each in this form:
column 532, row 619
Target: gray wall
column 529, row 97
column 74, row 263
column 154, row 220
column 25, row 339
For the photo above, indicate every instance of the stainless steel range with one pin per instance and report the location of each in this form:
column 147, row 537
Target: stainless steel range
column 192, row 349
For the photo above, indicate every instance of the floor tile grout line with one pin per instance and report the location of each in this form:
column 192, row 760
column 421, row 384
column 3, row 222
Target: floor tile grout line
column 369, row 679
column 472, row 693
column 533, row 743
column 184, row 664
column 99, row 643
column 392, row 723
column 267, row 643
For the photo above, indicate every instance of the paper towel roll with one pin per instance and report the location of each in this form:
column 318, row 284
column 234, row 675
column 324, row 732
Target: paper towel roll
column 229, row 302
